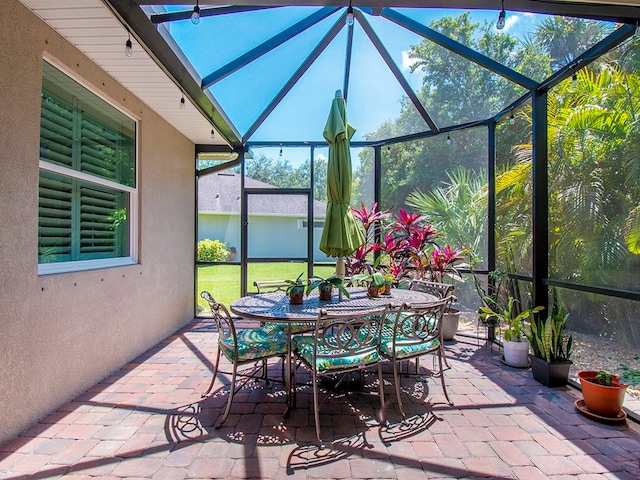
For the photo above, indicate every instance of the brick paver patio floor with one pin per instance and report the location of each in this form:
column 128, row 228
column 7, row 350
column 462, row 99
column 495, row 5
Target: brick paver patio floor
column 148, row 421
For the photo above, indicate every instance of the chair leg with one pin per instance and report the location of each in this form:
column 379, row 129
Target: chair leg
column 383, row 414
column 444, row 387
column 232, row 390
column 215, row 373
column 316, row 408
column 444, row 356
column 396, row 380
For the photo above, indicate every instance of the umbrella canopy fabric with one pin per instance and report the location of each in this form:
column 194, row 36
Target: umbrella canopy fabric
column 341, row 235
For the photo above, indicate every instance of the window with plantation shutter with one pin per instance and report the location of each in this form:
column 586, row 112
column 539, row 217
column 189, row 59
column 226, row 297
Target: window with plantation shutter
column 87, row 179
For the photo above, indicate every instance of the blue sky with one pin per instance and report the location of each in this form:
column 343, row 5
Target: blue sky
column 374, row 93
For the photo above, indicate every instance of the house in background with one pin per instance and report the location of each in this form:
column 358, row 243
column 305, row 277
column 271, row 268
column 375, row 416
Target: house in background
column 277, row 223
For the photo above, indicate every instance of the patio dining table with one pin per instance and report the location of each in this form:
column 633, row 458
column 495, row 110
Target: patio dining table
column 274, row 307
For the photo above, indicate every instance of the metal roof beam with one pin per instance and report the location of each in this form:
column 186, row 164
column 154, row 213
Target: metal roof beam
column 297, row 75
column 157, row 18
column 396, row 71
column 267, row 46
column 347, row 64
column 459, row 49
column 596, row 51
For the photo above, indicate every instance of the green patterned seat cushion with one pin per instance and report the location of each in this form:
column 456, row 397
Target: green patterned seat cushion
column 296, row 327
column 304, row 346
column 405, row 347
column 390, row 319
column 255, row 343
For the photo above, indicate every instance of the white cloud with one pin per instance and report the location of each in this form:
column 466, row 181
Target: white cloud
column 320, row 157
column 510, row 22
column 407, row 62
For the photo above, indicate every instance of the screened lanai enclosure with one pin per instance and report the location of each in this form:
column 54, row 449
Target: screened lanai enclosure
column 510, row 127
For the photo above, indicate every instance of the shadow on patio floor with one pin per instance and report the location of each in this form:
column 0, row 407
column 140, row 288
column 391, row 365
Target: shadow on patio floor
column 149, row 421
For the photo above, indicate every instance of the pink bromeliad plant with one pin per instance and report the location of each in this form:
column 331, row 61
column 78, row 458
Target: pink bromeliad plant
column 362, row 260
column 408, row 249
column 443, row 262
column 407, row 245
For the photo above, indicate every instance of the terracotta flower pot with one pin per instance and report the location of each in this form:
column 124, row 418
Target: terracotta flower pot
column 325, row 292
column 602, row 399
column 296, row 297
column 373, row 291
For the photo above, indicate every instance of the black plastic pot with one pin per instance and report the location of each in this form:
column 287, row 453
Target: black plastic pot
column 555, row 374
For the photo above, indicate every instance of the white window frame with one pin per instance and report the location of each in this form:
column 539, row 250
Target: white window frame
column 81, row 265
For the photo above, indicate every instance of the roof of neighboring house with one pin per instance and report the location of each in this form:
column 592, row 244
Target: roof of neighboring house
column 220, row 192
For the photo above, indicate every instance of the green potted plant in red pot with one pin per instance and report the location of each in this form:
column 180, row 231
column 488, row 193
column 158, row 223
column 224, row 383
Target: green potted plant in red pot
column 325, row 286
column 603, row 392
column 374, row 282
column 295, row 290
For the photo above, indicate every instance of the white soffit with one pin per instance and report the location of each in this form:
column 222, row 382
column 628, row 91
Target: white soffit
column 92, row 29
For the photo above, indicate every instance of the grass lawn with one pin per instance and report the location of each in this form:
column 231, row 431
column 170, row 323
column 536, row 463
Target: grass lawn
column 223, row 281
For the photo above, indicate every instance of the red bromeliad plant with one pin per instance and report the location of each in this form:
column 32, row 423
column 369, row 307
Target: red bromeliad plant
column 362, row 260
column 443, row 261
column 409, row 245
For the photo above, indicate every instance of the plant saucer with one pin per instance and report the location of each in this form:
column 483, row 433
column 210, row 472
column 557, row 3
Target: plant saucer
column 582, row 408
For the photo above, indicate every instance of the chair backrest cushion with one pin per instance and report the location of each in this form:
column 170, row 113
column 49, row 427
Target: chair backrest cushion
column 343, row 340
column 416, row 329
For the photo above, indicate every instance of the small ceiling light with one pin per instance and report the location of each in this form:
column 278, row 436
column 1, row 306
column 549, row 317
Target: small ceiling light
column 350, row 18
column 388, row 149
column 195, row 16
column 128, row 46
column 213, row 133
column 183, row 103
column 280, row 149
column 574, row 78
column 512, row 119
column 502, row 16
column 448, row 140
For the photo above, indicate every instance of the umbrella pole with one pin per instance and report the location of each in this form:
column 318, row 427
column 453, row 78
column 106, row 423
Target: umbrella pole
column 340, row 272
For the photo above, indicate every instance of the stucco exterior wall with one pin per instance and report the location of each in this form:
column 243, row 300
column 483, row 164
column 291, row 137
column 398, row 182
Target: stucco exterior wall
column 61, row 334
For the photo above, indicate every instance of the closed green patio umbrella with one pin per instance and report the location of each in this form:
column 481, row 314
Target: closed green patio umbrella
column 341, row 235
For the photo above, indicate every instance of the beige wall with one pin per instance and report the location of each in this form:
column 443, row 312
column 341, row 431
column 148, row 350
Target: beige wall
column 61, row 334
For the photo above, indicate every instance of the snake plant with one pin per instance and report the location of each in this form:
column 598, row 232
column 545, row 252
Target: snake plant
column 547, row 338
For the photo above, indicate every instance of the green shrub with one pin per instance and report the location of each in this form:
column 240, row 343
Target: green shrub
column 212, row 251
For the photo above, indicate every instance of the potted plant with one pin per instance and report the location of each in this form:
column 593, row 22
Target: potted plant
column 374, row 281
column 325, row 286
column 295, row 290
column 603, row 392
column 551, row 351
column 515, row 343
column 490, row 296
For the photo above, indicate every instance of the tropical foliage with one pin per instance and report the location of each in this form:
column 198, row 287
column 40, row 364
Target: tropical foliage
column 593, row 162
column 400, row 247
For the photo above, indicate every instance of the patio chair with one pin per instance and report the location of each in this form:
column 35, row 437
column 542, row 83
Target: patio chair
column 415, row 332
column 270, row 286
column 265, row 286
column 439, row 290
column 343, row 342
column 240, row 348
